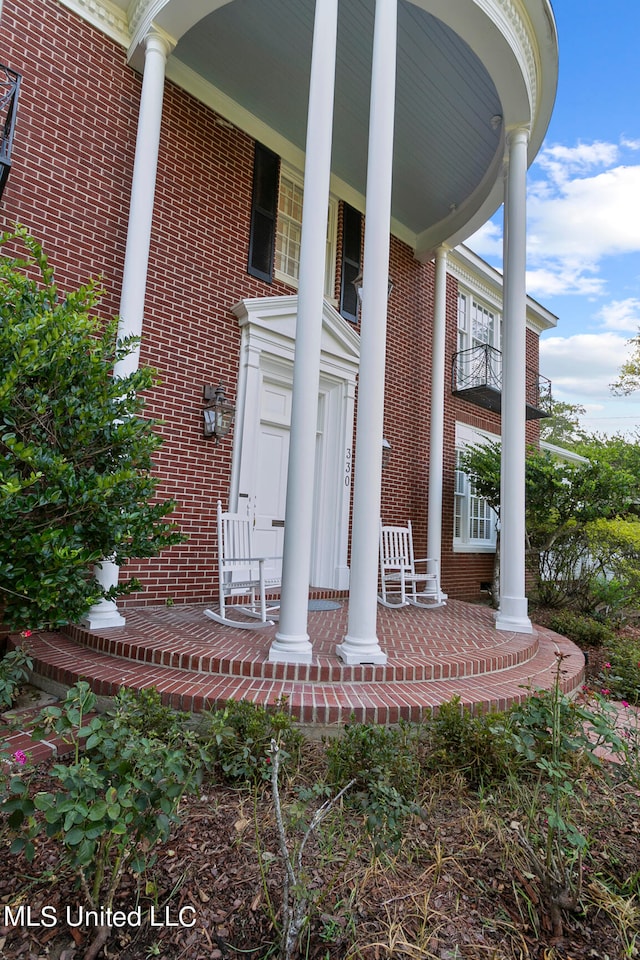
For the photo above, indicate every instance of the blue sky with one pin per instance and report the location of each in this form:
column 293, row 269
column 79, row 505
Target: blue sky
column 583, row 211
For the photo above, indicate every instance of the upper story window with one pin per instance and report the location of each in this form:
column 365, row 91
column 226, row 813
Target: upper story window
column 289, row 231
column 478, row 323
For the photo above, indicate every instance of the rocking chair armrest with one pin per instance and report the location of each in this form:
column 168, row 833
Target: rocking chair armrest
column 248, row 559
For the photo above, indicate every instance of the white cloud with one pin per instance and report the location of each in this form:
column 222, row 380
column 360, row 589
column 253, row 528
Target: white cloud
column 584, row 365
column 581, row 368
column 487, row 241
column 554, row 280
column 583, row 207
column 587, row 219
column 621, row 315
column 561, row 162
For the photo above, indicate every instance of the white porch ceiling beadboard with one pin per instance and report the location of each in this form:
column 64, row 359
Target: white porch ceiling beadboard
column 257, row 52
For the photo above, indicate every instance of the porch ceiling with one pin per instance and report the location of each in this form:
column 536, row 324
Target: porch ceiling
column 257, row 52
column 467, row 72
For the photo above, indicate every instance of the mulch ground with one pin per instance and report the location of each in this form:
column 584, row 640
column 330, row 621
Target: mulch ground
column 461, row 885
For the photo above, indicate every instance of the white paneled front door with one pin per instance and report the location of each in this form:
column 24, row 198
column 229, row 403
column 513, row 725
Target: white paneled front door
column 261, row 438
column 270, row 482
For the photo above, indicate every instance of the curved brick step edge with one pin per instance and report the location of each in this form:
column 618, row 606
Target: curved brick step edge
column 182, row 652
column 60, row 660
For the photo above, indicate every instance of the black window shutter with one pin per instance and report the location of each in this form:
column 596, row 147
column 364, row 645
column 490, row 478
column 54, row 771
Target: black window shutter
column 351, row 241
column 264, row 210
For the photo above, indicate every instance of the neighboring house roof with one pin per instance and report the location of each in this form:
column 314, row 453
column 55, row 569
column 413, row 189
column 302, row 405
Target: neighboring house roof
column 561, row 453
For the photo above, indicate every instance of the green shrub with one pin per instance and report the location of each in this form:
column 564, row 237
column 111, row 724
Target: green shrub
column 383, row 762
column 143, row 710
column 238, row 738
column 76, row 453
column 584, row 631
column 478, row 746
column 112, row 803
column 14, row 671
column 622, row 673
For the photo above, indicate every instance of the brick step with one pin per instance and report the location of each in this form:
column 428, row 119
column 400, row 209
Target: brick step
column 154, row 636
column 16, row 728
column 62, row 660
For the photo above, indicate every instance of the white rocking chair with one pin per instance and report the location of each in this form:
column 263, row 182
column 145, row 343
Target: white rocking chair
column 242, row 574
column 401, row 582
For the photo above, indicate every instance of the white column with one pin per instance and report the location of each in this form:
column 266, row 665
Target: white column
column 436, row 431
column 361, row 644
column 291, row 644
column 512, row 614
column 105, row 613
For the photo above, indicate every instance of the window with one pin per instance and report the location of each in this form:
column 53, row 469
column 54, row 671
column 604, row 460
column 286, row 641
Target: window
column 289, row 232
column 479, row 359
column 474, row 521
column 477, row 323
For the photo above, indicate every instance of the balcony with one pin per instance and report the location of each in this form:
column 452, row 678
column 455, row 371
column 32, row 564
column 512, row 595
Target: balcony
column 9, row 90
column 476, row 376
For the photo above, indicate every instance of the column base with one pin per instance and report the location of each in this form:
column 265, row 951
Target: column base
column 353, row 652
column 512, row 615
column 286, row 649
column 102, row 616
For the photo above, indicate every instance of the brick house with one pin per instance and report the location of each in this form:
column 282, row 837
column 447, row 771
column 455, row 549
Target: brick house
column 165, row 146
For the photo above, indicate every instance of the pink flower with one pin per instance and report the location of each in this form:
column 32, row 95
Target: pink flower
column 624, row 703
column 20, row 757
column 607, row 666
column 605, row 692
column 26, row 633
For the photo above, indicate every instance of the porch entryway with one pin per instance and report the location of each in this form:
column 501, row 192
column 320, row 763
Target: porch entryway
column 261, row 437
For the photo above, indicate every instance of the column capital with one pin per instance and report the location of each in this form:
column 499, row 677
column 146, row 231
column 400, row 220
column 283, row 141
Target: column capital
column 158, row 41
column 518, row 134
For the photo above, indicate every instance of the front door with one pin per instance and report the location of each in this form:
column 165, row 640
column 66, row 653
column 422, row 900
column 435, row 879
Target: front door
column 270, row 486
column 261, row 435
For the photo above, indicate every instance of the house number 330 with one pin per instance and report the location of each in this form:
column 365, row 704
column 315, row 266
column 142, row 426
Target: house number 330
column 347, row 468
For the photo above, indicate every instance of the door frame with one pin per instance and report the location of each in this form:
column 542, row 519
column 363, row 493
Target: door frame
column 268, row 347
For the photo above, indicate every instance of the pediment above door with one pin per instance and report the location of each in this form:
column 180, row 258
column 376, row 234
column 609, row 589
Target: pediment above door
column 273, row 320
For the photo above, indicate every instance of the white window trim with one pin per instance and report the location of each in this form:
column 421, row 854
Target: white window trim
column 332, row 236
column 467, row 436
column 465, row 329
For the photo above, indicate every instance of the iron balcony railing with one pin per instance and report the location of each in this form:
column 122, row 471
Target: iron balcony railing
column 9, row 90
column 476, row 376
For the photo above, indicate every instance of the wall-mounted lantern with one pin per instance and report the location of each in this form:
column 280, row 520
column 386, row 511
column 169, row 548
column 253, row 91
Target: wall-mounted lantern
column 218, row 413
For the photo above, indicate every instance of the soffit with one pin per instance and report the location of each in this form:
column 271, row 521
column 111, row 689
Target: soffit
column 257, row 53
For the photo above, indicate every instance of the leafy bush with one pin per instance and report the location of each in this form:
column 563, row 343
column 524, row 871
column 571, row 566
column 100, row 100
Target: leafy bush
column 383, row 762
column 549, row 723
column 76, row 454
column 238, row 739
column 14, row 671
column 478, row 746
column 583, row 630
column 144, row 712
column 113, row 802
column 622, row 673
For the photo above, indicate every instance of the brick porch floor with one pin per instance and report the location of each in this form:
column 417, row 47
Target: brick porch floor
column 195, row 663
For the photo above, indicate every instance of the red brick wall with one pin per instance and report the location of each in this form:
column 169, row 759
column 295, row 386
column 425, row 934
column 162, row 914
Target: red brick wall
column 70, row 185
